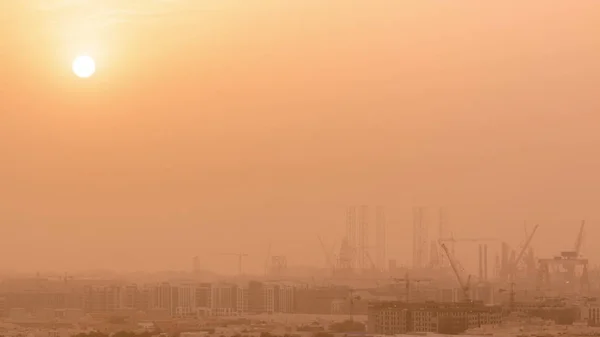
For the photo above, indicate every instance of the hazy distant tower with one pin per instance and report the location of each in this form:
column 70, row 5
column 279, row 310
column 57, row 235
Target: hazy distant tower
column 196, row 265
column 380, row 237
column 442, row 235
column 351, row 234
column 420, row 237
column 363, row 236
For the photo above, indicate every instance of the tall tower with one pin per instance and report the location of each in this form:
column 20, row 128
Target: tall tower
column 420, row 238
column 363, row 237
column 485, row 262
column 380, row 237
column 196, row 264
column 481, row 277
column 351, row 235
column 442, row 235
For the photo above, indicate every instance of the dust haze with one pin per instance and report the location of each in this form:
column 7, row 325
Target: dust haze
column 236, row 127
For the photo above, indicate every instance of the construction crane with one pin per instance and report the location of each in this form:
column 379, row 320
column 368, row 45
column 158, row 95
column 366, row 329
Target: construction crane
column 67, row 277
column 513, row 266
column 349, row 299
column 408, row 282
column 370, row 260
column 328, row 259
column 452, row 240
column 240, row 259
column 454, row 264
column 353, row 298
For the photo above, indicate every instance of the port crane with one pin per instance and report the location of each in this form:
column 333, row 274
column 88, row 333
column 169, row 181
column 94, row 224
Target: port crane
column 464, row 285
column 568, row 260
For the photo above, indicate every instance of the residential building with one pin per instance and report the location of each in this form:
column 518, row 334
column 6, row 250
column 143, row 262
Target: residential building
column 160, row 296
column 183, row 303
column 256, row 297
column 129, row 299
column 269, row 298
column 284, row 298
column 97, row 299
column 241, row 300
column 448, row 318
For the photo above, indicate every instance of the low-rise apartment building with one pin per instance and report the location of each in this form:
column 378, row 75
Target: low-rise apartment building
column 400, row 317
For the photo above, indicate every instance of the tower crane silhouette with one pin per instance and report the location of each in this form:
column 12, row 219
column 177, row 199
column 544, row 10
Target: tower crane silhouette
column 240, row 257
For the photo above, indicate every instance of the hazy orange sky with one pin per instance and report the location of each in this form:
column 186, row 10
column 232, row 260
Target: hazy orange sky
column 218, row 126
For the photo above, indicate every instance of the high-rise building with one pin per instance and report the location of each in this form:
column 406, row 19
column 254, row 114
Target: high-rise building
column 446, row 318
column 129, row 298
column 183, row 300
column 269, row 298
column 284, row 298
column 204, row 295
column 241, row 300
column 102, row 298
column 160, row 297
column 222, row 296
column 256, row 297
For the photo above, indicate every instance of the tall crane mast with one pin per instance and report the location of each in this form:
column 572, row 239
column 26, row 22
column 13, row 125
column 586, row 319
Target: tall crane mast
column 240, row 257
column 513, row 268
column 327, row 255
column 454, row 264
column 408, row 282
column 350, row 298
column 514, row 265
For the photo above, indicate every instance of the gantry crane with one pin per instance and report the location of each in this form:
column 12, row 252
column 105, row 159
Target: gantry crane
column 569, row 260
column 454, row 264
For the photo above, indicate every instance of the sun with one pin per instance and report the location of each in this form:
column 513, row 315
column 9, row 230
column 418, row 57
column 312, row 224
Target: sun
column 84, row 66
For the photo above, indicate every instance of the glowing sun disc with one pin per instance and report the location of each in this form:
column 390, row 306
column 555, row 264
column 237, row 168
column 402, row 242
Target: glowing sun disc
column 84, row 66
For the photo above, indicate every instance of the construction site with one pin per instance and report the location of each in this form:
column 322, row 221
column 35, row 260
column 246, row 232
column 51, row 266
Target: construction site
column 451, row 283
column 511, row 278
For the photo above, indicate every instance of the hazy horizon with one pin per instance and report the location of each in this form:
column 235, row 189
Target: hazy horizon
column 226, row 127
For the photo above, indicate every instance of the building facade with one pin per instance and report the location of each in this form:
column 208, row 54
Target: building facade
column 400, row 317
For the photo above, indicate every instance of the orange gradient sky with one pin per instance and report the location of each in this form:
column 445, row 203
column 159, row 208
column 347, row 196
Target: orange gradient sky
column 218, row 126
